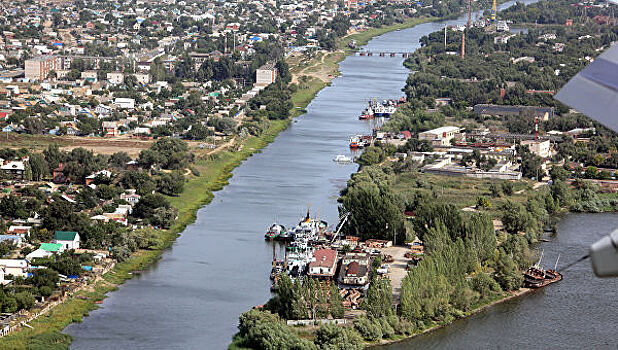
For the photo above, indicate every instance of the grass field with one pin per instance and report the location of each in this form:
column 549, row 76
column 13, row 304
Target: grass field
column 460, row 191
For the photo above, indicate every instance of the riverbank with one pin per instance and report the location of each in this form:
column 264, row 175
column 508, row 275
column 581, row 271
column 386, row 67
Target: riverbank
column 507, row 296
column 362, row 38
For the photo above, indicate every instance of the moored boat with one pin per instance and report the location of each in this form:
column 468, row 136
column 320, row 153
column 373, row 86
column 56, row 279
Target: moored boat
column 274, row 231
column 367, row 114
column 536, row 276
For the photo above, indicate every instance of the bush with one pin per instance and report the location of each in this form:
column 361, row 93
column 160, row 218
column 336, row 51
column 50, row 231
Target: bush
column 333, row 337
column 369, row 329
column 484, row 285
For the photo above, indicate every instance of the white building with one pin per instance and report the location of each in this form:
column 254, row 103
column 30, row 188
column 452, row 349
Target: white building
column 540, row 148
column 125, row 103
column 441, row 136
column 266, row 75
column 115, row 78
column 68, row 239
column 15, row 267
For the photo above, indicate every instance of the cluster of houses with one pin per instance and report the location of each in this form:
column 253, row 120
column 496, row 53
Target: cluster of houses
column 9, row 268
column 82, row 54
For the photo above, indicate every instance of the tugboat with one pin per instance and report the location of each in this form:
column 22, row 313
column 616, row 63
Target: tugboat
column 537, row 277
column 367, row 114
column 355, row 142
column 274, row 231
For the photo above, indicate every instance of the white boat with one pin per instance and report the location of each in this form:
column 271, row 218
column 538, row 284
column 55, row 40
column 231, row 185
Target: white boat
column 341, row 158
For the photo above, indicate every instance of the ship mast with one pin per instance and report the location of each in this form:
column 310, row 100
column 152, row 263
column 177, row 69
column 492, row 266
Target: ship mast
column 540, row 258
column 556, row 265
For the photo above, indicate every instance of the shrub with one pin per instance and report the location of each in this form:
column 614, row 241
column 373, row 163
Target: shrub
column 368, row 328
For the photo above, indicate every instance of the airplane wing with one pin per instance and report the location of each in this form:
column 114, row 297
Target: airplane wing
column 594, row 90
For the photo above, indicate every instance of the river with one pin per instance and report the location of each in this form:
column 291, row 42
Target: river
column 219, row 267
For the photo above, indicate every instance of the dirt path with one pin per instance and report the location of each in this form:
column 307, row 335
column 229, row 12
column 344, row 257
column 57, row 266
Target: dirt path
column 397, row 269
column 322, row 69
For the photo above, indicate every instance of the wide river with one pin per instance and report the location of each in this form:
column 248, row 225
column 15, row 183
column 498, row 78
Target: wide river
column 219, row 267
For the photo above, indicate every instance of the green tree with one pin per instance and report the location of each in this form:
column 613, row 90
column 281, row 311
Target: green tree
column 508, row 188
column 507, row 274
column 371, row 155
column 336, row 307
column 494, row 190
column 38, row 166
column 379, row 300
column 483, row 284
column 516, row 218
column 171, row 184
column 332, row 337
column 148, row 203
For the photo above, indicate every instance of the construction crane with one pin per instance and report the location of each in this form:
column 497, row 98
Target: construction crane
column 494, row 10
column 344, row 218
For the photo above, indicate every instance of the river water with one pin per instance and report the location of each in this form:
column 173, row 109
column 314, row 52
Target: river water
column 219, row 267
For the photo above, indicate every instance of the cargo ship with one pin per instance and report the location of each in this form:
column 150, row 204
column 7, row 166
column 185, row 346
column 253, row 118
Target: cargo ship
column 537, row 277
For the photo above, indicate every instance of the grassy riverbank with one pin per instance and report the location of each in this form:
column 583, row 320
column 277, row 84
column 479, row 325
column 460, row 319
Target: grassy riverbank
column 362, row 38
column 486, row 304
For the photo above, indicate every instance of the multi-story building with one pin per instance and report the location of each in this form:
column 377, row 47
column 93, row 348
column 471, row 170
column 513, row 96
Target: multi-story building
column 38, row 68
column 266, row 74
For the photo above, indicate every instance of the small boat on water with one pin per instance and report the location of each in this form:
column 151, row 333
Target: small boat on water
column 355, row 142
column 367, row 114
column 274, row 231
column 342, row 159
column 536, row 276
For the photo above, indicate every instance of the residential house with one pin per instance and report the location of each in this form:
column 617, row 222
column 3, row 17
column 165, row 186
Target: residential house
column 13, row 170
column 103, row 173
column 12, row 239
column 15, row 267
column 110, row 129
column 90, row 76
column 124, row 103
column 68, row 239
column 131, row 197
column 58, row 174
column 354, row 269
column 323, row 264
column 18, row 230
column 538, row 147
column 115, row 78
column 46, row 250
column 142, row 78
